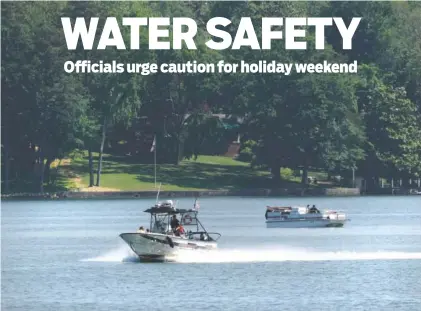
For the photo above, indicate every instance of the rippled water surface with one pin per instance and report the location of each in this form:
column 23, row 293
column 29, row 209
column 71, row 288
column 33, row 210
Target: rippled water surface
column 66, row 255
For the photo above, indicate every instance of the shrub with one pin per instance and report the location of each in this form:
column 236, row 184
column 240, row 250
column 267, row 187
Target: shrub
column 247, row 151
column 286, row 173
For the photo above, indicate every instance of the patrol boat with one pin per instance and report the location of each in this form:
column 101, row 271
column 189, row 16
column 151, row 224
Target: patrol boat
column 160, row 242
column 302, row 217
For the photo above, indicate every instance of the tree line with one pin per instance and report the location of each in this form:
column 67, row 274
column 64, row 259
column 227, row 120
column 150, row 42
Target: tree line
column 369, row 121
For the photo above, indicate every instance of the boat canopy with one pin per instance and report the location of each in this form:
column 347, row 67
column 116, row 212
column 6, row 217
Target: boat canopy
column 167, row 210
column 278, row 208
column 161, row 215
column 291, row 210
column 167, row 207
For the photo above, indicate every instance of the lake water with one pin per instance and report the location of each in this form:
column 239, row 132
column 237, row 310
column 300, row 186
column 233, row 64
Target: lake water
column 66, row 255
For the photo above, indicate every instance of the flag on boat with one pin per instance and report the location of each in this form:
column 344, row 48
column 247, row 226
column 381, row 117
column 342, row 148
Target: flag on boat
column 189, row 219
column 153, row 144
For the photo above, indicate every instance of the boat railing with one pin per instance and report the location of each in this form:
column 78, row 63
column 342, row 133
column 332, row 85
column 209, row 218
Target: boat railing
column 278, row 208
column 335, row 215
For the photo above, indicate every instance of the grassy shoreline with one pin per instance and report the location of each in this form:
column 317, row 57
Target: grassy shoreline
column 123, row 178
column 122, row 173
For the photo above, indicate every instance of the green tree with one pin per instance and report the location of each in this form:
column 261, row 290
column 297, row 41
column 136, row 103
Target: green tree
column 42, row 107
column 115, row 96
column 172, row 98
column 392, row 126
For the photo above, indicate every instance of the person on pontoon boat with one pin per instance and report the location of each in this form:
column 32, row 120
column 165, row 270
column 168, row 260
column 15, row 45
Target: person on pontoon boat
column 141, row 230
column 314, row 210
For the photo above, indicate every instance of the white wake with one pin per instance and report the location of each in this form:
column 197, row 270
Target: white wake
column 280, row 255
column 120, row 254
column 256, row 254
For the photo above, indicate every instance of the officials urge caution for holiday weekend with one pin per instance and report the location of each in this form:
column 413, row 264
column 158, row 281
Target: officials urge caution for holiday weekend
column 262, row 66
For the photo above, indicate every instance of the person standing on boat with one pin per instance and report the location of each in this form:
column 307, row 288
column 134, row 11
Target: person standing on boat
column 174, row 223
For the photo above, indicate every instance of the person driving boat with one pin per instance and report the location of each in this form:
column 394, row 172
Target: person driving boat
column 174, row 223
column 313, row 209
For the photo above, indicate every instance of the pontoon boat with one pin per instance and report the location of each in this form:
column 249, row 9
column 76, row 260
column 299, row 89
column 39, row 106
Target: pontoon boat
column 302, row 217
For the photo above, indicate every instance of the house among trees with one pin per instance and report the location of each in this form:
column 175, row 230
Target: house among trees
column 220, row 135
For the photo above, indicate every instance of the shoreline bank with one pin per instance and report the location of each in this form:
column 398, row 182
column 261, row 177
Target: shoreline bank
column 296, row 192
column 279, row 192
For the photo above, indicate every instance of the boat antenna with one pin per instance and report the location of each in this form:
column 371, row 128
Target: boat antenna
column 196, row 205
column 157, row 195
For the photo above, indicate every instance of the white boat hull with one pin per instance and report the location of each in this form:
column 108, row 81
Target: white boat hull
column 305, row 223
column 152, row 246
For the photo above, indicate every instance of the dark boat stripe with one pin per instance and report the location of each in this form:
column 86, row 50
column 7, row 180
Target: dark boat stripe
column 147, row 236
